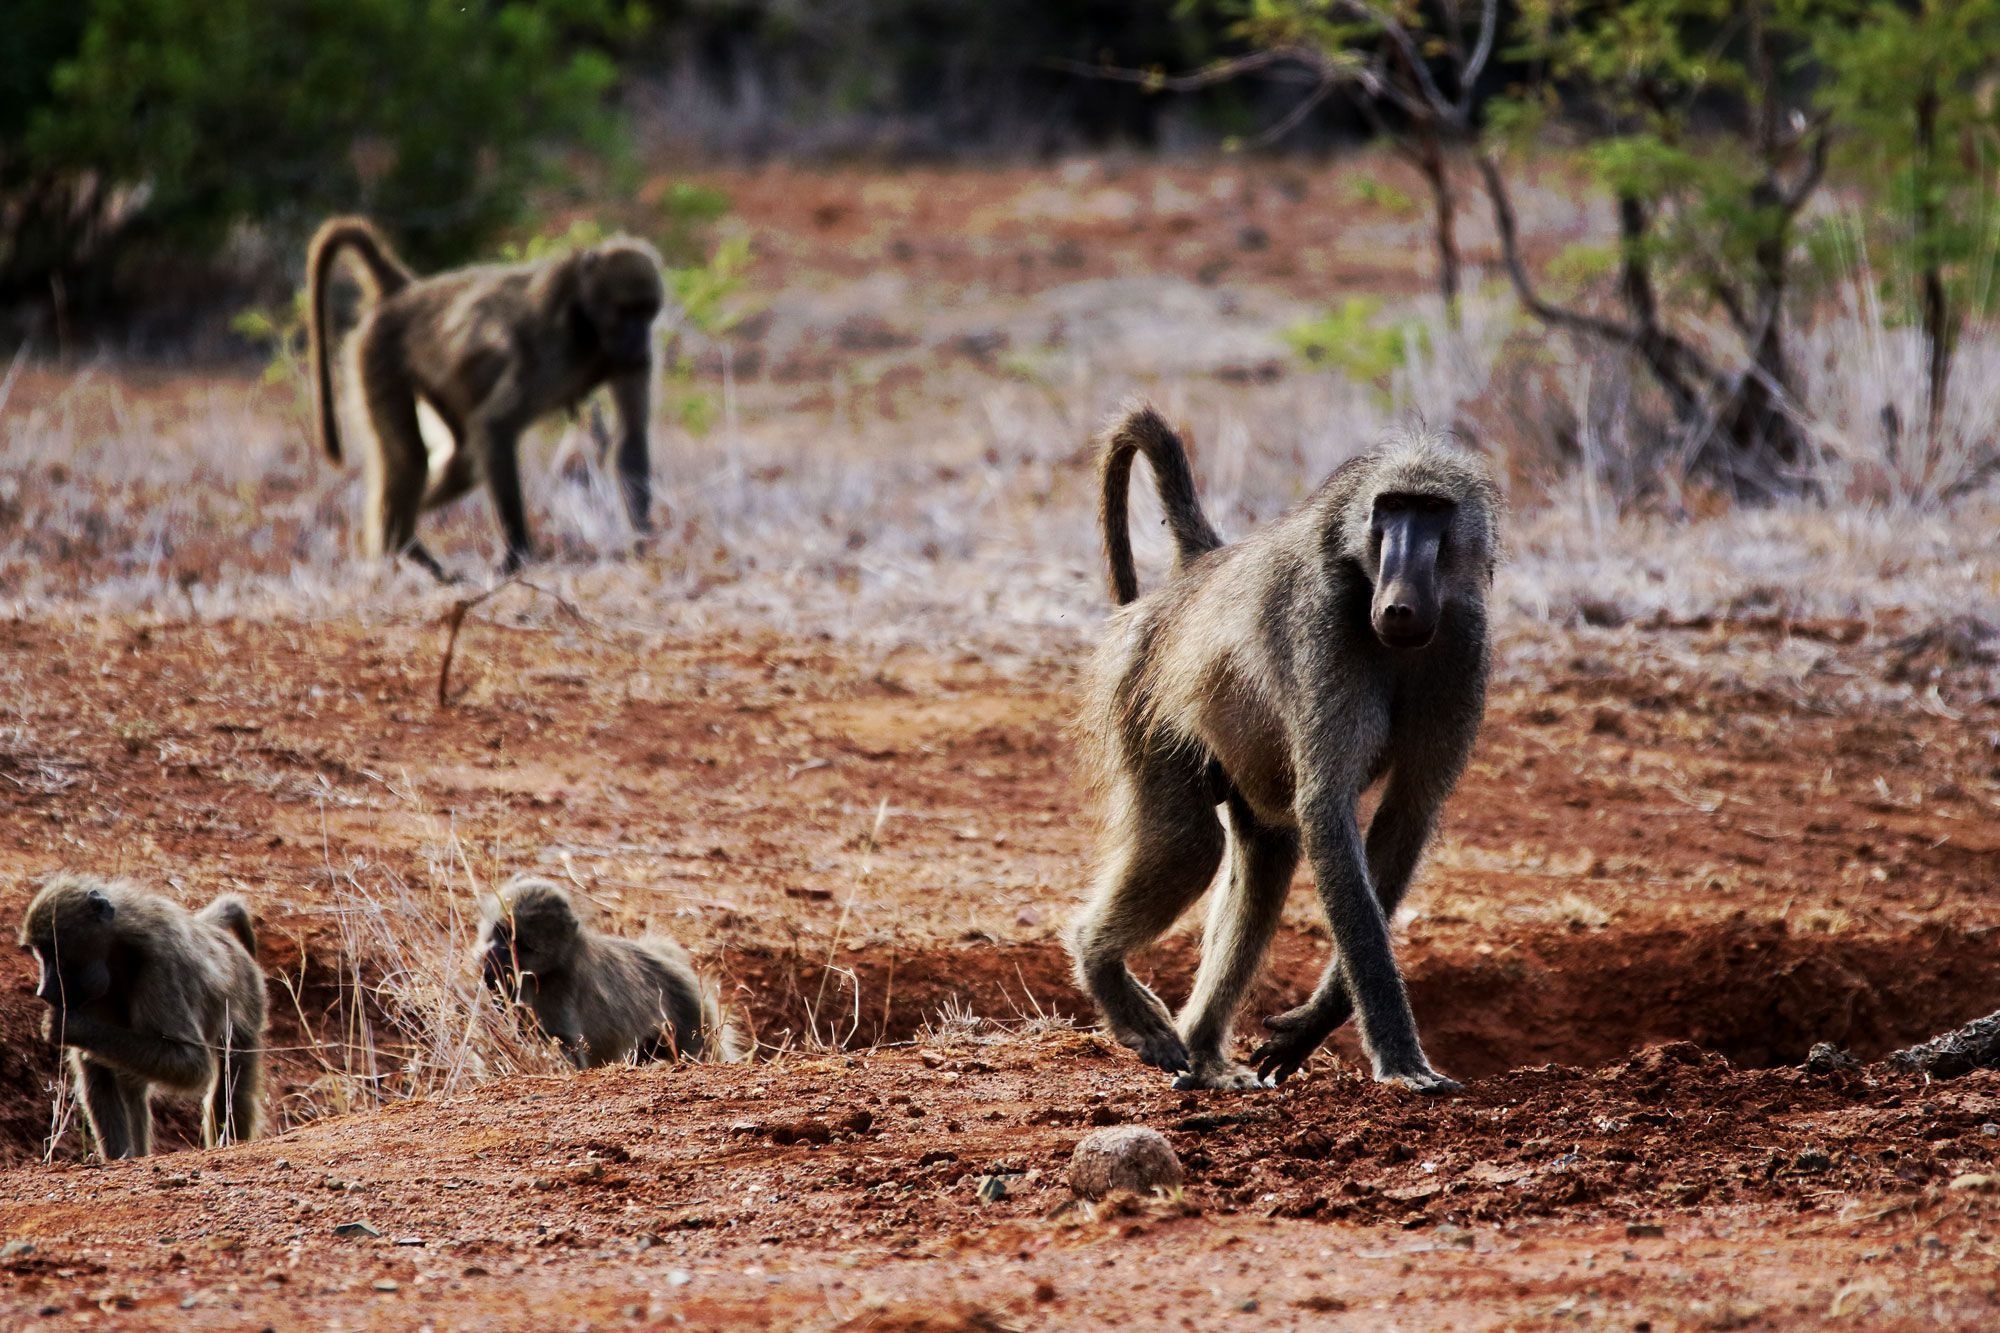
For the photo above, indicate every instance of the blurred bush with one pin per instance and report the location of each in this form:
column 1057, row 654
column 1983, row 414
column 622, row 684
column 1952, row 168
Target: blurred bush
column 132, row 126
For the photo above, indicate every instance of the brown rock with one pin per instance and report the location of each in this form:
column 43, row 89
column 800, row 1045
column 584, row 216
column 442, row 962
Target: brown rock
column 1124, row 1157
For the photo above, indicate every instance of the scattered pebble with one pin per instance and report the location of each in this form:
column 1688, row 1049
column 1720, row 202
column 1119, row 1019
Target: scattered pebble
column 387, row 1284
column 356, row 1229
column 1124, row 1157
column 1644, row 1230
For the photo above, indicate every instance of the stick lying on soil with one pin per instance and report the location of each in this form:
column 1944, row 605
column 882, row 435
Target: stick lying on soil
column 1960, row 1051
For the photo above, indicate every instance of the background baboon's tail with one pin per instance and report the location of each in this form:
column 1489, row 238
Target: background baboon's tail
column 386, row 273
column 1143, row 431
column 233, row 915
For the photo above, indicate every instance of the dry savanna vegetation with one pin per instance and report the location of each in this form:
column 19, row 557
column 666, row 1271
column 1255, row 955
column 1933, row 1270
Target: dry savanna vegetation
column 1738, row 793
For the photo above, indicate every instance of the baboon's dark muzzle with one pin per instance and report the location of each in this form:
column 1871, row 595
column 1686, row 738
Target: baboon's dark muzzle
column 631, row 343
column 1406, row 607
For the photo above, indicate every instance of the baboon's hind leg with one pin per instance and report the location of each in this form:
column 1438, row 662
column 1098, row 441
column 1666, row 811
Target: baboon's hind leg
column 1162, row 851
column 397, row 464
column 1241, row 918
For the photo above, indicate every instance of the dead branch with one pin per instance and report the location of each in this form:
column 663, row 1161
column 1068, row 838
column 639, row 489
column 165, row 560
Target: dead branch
column 1960, row 1051
column 454, row 620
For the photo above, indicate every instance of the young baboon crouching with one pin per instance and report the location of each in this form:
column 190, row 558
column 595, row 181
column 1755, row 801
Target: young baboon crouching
column 602, row 1000
column 144, row 993
column 490, row 349
column 1278, row 678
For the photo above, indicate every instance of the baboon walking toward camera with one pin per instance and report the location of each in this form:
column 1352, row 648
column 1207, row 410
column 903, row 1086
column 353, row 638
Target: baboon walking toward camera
column 490, row 349
column 1279, row 678
column 602, row 1000
column 143, row 992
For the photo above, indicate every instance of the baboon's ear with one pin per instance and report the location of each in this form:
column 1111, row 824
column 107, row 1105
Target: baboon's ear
column 101, row 907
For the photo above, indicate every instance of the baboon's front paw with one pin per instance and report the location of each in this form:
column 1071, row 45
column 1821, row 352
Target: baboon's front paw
column 1220, row 1075
column 1297, row 1033
column 1161, row 1050
column 1426, row 1081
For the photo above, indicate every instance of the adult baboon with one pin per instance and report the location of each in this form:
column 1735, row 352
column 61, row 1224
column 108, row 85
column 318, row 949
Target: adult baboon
column 601, row 999
column 1279, row 678
column 490, row 349
column 144, row 992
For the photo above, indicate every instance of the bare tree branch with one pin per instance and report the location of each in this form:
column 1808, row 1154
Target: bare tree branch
column 1671, row 358
column 1795, row 198
column 1328, row 74
column 1420, row 70
column 1482, row 51
column 1220, row 71
column 1293, row 118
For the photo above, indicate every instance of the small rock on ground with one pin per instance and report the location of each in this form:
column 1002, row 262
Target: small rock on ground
column 1123, row 1157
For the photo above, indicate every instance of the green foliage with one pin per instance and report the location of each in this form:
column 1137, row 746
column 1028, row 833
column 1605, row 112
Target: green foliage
column 1909, row 85
column 1649, row 77
column 688, row 212
column 1353, row 340
column 1576, row 268
column 707, row 295
column 706, row 291
column 580, row 234
column 429, row 114
column 1380, row 194
column 40, row 35
column 282, row 329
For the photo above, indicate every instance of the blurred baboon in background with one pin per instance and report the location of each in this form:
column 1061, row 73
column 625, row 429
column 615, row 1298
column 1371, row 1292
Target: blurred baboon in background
column 601, row 999
column 490, row 349
column 1279, row 678
column 143, row 993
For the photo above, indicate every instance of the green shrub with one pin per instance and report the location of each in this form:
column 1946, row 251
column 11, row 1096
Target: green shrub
column 1354, row 341
column 175, row 120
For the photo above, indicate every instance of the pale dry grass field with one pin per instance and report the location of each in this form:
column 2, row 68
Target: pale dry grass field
column 954, row 505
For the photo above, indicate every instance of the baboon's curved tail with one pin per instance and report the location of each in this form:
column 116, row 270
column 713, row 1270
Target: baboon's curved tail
column 233, row 915
column 386, row 273
column 1143, row 431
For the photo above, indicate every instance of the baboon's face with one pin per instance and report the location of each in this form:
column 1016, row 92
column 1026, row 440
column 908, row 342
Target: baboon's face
column 1409, row 540
column 69, row 938
column 622, row 296
column 532, row 941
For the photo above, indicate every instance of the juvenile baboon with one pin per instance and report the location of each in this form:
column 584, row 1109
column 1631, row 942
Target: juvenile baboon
column 144, row 992
column 490, row 349
column 601, row 999
column 1279, row 678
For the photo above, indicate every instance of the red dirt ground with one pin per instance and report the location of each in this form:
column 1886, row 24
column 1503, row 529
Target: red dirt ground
column 1623, row 867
